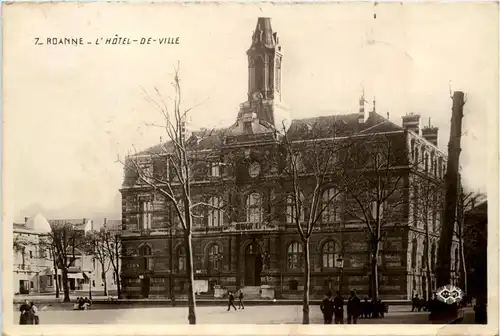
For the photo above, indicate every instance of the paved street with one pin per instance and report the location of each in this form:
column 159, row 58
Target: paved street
column 212, row 315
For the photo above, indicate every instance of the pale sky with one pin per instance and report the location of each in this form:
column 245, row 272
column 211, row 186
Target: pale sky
column 69, row 111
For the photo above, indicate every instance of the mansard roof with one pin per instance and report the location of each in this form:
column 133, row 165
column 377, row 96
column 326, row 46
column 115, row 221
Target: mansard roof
column 338, row 125
column 198, row 140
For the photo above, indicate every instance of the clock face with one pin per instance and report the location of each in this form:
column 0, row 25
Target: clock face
column 254, row 169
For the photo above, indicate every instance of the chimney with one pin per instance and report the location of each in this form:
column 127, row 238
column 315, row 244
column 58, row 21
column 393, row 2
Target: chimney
column 361, row 112
column 411, row 122
column 430, row 134
column 84, row 220
column 26, row 220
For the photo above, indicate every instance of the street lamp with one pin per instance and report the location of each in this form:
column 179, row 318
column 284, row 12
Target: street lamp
column 218, row 258
column 340, row 264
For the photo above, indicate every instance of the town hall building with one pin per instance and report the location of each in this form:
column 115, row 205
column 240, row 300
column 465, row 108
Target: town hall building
column 246, row 240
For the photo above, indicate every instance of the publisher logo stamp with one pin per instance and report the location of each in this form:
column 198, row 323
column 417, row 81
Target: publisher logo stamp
column 449, row 294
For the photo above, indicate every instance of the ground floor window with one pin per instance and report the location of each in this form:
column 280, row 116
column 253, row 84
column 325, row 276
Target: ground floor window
column 294, row 285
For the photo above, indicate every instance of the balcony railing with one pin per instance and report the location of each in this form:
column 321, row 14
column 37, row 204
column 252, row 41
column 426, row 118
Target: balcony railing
column 246, row 226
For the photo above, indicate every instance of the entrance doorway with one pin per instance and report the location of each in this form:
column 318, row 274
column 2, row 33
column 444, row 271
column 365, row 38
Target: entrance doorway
column 253, row 264
column 145, row 285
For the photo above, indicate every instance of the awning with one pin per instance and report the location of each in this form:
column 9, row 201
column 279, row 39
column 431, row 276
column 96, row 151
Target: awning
column 75, row 276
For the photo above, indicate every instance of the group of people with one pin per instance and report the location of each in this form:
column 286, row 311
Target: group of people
column 82, row 303
column 29, row 313
column 333, row 309
column 231, row 300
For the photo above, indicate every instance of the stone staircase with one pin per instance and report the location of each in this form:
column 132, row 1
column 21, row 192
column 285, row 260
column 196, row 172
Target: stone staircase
column 251, row 292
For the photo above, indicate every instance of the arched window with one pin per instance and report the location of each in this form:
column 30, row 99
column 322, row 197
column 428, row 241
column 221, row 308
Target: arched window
column 254, row 208
column 291, row 213
column 417, row 163
column 433, row 257
column 330, row 206
column 146, row 253
column 215, row 213
column 145, row 250
column 214, row 257
column 181, row 259
column 294, row 255
column 329, row 253
column 414, row 253
column 259, row 74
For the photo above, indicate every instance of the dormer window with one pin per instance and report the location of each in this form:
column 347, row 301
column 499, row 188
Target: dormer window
column 215, row 169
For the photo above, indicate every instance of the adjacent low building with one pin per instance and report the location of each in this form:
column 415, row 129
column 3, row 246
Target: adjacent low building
column 32, row 264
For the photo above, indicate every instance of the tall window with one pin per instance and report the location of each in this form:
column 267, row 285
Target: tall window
column 181, row 259
column 440, row 167
column 457, row 261
column 145, row 212
column 330, row 206
column 417, row 158
column 214, row 257
column 294, row 255
column 329, row 254
column 254, row 208
column 215, row 213
column 278, row 74
column 416, row 196
column 433, row 257
column 291, row 210
column 414, row 253
column 412, row 150
column 146, row 252
column 426, row 162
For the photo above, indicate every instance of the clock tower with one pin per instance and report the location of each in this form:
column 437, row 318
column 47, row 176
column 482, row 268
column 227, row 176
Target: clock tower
column 263, row 112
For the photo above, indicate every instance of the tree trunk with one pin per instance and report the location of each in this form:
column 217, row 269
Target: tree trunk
column 451, row 183
column 428, row 279
column 190, row 273
column 56, row 279
column 104, row 278
column 65, row 285
column 118, row 283
column 374, row 269
column 116, row 268
column 463, row 271
column 307, row 280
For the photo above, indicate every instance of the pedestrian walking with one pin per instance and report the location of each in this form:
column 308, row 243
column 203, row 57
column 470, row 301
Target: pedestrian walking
column 327, row 308
column 353, row 308
column 338, row 306
column 415, row 303
column 34, row 312
column 231, row 302
column 240, row 300
column 26, row 316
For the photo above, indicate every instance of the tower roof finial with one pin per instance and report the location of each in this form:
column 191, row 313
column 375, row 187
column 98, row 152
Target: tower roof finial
column 374, row 104
column 264, row 33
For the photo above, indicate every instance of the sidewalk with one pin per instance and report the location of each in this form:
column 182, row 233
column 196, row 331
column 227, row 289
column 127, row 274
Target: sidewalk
column 100, row 299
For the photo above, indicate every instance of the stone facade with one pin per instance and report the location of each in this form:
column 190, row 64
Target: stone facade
column 247, row 242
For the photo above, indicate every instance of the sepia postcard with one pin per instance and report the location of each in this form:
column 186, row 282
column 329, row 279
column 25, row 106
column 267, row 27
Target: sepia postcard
column 250, row 168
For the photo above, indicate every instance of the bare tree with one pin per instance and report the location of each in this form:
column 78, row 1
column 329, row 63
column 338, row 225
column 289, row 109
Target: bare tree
column 428, row 198
column 96, row 247
column 112, row 249
column 311, row 171
column 375, row 186
column 463, row 232
column 65, row 242
column 172, row 177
